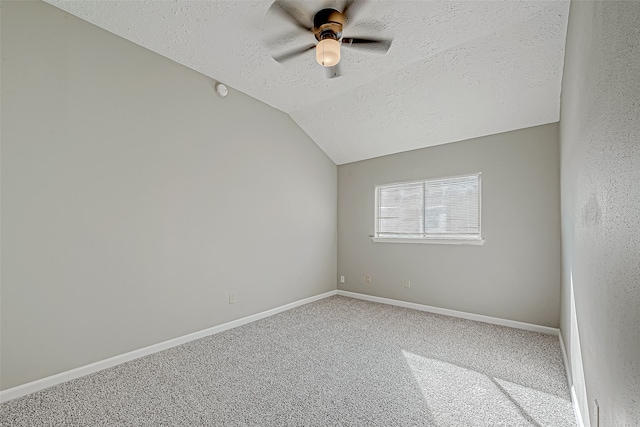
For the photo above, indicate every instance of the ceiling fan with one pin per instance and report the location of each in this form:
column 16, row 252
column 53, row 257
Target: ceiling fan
column 327, row 29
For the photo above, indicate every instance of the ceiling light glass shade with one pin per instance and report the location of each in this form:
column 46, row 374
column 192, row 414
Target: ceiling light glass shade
column 328, row 52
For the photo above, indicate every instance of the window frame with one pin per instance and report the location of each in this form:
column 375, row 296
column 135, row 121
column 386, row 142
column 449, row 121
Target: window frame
column 464, row 240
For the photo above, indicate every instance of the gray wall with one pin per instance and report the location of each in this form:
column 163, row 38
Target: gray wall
column 514, row 275
column 600, row 152
column 134, row 199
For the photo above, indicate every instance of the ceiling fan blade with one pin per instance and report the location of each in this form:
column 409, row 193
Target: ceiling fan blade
column 370, row 44
column 289, row 13
column 333, row 72
column 293, row 53
column 284, row 38
column 349, row 8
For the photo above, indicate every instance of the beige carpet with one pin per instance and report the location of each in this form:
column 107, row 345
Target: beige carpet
column 338, row 361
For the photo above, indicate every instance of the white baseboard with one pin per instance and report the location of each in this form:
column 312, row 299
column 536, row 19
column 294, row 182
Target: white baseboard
column 454, row 313
column 567, row 368
column 565, row 359
column 41, row 384
column 576, row 410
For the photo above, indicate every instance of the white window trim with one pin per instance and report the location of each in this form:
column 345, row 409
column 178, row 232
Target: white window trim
column 432, row 240
column 429, row 241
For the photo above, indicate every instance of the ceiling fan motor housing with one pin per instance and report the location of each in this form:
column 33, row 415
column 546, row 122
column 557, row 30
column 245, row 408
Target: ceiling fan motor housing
column 327, row 24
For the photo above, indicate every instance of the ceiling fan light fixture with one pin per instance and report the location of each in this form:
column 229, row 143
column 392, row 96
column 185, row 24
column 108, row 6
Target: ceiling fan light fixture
column 328, row 52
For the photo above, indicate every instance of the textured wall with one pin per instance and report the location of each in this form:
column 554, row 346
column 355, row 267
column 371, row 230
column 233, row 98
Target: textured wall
column 600, row 152
column 514, row 275
column 134, row 199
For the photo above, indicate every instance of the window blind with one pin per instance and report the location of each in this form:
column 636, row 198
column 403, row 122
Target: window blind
column 445, row 208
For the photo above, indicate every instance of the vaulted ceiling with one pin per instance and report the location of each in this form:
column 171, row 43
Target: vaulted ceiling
column 455, row 70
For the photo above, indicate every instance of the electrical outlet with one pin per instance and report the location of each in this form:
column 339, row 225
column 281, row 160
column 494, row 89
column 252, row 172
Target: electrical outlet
column 341, row 279
column 232, row 299
column 367, row 280
column 407, row 284
column 596, row 413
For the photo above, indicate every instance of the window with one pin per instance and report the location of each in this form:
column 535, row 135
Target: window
column 445, row 210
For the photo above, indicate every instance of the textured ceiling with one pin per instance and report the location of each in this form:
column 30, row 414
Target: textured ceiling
column 456, row 69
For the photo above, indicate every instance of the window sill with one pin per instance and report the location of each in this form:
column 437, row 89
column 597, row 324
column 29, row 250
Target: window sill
column 430, row 241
